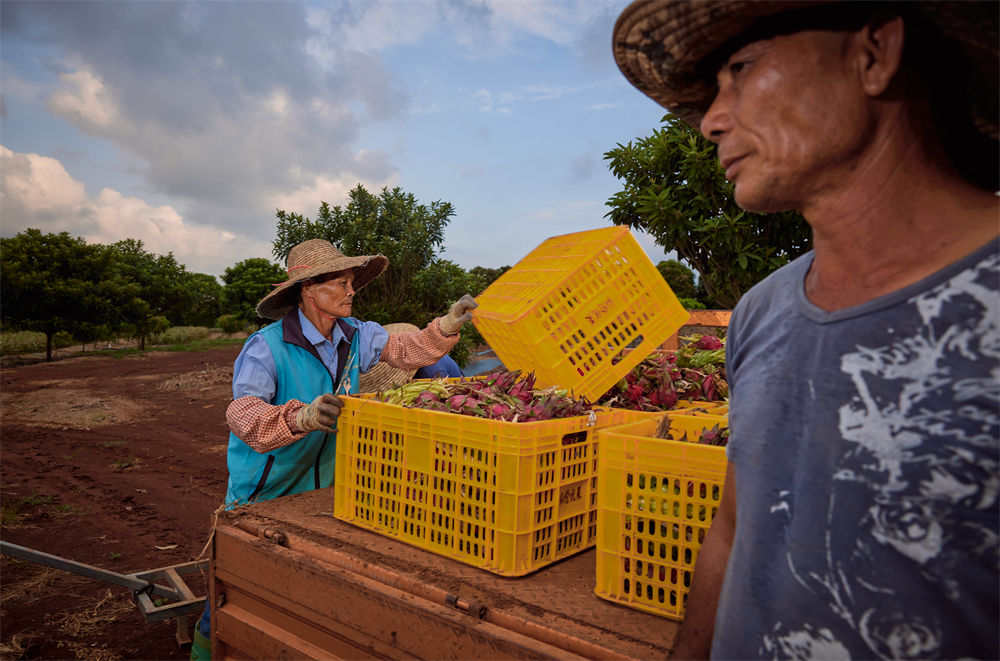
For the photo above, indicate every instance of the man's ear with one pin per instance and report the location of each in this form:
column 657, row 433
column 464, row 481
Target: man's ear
column 306, row 288
column 880, row 52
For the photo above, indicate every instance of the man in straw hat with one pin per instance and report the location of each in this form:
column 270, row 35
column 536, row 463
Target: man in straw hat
column 860, row 513
column 287, row 377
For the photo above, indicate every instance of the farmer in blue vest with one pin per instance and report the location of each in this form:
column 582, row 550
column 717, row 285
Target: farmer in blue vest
column 287, row 377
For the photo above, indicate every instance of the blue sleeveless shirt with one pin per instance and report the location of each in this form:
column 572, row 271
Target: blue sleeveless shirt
column 308, row 463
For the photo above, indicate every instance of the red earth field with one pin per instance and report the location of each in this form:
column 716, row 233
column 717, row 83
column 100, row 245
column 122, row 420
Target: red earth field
column 115, row 462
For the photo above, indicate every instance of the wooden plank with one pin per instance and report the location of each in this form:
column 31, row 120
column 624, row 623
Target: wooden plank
column 342, row 613
column 244, row 634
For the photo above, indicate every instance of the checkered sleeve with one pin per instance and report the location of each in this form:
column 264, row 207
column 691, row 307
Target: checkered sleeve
column 410, row 351
column 262, row 426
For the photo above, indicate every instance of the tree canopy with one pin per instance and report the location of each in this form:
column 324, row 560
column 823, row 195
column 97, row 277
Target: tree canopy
column 153, row 287
column 55, row 282
column 245, row 284
column 679, row 277
column 418, row 284
column 393, row 224
column 675, row 189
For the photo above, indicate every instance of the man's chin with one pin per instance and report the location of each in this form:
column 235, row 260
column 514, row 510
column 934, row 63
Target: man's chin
column 757, row 202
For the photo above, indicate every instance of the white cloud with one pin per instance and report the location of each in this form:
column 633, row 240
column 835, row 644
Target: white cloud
column 368, row 27
column 487, row 101
column 37, row 191
column 487, row 28
column 85, row 100
column 306, row 199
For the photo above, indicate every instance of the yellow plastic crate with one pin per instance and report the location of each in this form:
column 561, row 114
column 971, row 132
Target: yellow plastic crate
column 507, row 497
column 569, row 310
column 655, row 502
column 696, row 407
column 688, row 407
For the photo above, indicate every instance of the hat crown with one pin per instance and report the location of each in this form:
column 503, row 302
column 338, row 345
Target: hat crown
column 312, row 253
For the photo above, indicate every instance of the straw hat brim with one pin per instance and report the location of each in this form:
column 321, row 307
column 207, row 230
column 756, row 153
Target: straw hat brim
column 382, row 376
column 659, row 46
column 285, row 297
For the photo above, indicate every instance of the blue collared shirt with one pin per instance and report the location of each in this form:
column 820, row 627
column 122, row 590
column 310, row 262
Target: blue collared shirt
column 255, row 374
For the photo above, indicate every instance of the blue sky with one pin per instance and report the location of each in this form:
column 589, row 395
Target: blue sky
column 185, row 125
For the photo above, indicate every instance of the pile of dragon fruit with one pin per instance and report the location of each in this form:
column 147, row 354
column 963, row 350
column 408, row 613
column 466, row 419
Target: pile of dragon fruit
column 696, row 371
column 501, row 395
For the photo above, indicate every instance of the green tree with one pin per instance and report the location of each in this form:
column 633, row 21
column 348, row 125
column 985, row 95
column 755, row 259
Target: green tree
column 205, row 296
column 679, row 277
column 487, row 275
column 153, row 287
column 245, row 283
column 392, row 223
column 54, row 282
column 417, row 285
column 675, row 190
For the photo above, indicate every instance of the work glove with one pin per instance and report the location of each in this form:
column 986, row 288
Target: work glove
column 458, row 314
column 320, row 415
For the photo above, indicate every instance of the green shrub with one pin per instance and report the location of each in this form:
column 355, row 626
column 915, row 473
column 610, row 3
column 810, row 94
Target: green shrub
column 60, row 340
column 15, row 342
column 691, row 303
column 18, row 342
column 180, row 335
column 229, row 323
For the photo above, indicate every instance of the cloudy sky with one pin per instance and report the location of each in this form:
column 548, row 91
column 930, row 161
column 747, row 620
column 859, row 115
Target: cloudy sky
column 186, row 125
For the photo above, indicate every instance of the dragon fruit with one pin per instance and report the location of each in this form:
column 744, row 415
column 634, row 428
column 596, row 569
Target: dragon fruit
column 502, row 395
column 694, row 372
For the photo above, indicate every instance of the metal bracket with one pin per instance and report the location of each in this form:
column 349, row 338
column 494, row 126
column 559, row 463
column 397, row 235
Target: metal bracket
column 473, row 608
column 143, row 585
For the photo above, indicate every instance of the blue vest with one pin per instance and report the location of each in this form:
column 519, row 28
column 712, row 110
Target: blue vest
column 308, row 463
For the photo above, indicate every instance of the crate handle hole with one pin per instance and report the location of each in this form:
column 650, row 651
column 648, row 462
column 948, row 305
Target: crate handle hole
column 629, row 347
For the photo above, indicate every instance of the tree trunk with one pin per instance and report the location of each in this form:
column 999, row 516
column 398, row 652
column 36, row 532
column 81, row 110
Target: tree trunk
column 142, row 343
column 48, row 347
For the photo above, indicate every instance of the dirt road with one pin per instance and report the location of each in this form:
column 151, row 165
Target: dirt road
column 118, row 463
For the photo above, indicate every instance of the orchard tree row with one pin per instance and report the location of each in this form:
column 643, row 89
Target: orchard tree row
column 673, row 188
column 55, row 282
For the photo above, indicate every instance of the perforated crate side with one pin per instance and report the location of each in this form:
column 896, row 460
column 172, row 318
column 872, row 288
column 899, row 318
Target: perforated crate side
column 573, row 306
column 656, row 501
column 506, row 497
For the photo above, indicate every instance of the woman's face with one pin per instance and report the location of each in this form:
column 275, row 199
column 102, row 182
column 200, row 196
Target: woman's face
column 333, row 297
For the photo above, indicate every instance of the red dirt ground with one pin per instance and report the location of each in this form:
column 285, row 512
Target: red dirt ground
column 103, row 460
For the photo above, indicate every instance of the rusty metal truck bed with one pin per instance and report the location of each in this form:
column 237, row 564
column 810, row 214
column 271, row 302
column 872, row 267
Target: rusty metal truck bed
column 290, row 581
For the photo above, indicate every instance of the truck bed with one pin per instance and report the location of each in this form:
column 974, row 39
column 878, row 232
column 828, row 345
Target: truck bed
column 291, row 581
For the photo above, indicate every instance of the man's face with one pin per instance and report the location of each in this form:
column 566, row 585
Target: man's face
column 335, row 296
column 789, row 119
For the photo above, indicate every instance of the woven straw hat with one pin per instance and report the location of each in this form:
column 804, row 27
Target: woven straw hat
column 311, row 259
column 660, row 44
column 383, row 377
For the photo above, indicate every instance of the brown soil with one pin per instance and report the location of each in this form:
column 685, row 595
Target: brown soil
column 104, row 460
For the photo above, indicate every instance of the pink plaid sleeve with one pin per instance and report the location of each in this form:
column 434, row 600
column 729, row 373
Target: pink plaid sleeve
column 262, row 426
column 410, row 351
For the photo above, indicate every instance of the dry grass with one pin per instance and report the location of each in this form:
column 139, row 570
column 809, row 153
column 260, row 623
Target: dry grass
column 69, row 408
column 17, row 647
column 213, row 375
column 70, row 630
column 37, row 585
